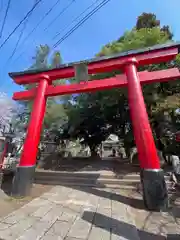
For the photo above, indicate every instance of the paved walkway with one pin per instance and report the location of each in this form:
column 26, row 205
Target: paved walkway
column 70, row 214
column 77, row 214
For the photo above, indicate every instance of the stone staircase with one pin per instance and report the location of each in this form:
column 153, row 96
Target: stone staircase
column 87, row 179
column 98, row 179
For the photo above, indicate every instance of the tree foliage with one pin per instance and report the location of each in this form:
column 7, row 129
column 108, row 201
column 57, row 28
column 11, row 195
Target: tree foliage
column 95, row 115
column 135, row 39
column 149, row 20
column 55, row 113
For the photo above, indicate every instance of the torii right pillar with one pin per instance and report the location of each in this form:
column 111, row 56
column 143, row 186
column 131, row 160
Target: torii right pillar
column 152, row 177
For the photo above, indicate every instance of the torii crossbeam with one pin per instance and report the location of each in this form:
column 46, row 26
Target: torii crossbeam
column 152, row 177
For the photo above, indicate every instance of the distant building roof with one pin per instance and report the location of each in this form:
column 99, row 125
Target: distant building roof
column 111, row 139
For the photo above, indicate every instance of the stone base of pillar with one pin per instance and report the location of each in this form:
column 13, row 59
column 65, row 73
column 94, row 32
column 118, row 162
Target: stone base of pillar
column 22, row 181
column 1, row 177
column 155, row 194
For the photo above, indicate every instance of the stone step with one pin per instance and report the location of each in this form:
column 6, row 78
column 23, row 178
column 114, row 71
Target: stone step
column 98, row 183
column 90, row 181
column 101, row 179
column 86, row 175
column 95, row 185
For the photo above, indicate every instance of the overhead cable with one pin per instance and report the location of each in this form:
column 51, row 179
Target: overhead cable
column 80, row 23
column 60, row 13
column 41, row 20
column 5, row 17
column 75, row 19
column 19, row 38
column 19, row 24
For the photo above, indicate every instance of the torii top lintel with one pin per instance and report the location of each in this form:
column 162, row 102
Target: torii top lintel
column 151, row 55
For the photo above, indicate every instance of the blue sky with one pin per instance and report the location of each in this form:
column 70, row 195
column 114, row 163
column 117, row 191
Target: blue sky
column 106, row 25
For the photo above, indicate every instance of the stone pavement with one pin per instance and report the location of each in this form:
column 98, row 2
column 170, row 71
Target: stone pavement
column 73, row 214
column 70, row 214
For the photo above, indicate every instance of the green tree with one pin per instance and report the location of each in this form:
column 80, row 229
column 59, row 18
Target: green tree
column 149, row 20
column 98, row 114
column 55, row 112
column 135, row 39
column 40, row 60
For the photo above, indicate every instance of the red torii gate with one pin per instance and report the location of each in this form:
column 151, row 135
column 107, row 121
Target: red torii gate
column 152, row 177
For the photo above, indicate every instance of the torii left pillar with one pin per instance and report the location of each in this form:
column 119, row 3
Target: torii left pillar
column 23, row 178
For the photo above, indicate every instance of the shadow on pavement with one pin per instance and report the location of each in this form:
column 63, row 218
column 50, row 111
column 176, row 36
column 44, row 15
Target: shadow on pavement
column 135, row 203
column 122, row 229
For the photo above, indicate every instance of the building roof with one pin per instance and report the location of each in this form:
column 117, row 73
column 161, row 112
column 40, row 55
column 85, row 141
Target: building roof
column 97, row 59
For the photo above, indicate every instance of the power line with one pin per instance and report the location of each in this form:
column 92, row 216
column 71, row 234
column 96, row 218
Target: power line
column 80, row 23
column 68, row 25
column 90, row 14
column 41, row 20
column 48, row 12
column 63, row 10
column 27, row 15
column 17, row 43
column 22, row 31
column 5, row 17
column 20, row 37
column 104, row 2
column 76, row 18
